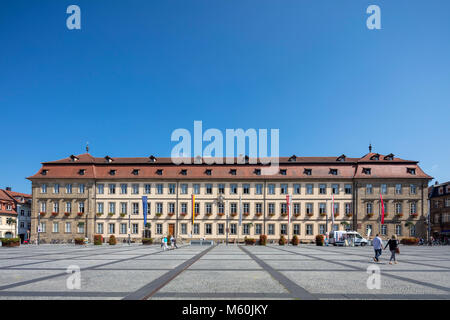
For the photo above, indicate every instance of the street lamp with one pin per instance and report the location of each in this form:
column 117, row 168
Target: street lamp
column 220, row 200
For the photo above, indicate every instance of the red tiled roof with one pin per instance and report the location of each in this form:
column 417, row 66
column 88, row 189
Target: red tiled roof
column 99, row 168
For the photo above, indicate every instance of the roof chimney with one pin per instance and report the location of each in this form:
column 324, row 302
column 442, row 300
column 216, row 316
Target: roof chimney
column 8, row 188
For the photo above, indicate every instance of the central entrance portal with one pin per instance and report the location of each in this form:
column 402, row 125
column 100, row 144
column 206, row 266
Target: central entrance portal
column 171, row 229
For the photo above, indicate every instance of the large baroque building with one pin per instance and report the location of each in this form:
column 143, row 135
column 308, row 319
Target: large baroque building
column 439, row 195
column 81, row 196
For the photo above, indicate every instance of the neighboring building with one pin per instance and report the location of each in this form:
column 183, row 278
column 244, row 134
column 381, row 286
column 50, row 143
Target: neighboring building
column 7, row 211
column 439, row 196
column 83, row 195
column 23, row 209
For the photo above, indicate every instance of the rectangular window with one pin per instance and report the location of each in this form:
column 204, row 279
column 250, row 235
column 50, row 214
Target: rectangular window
column 135, row 207
column 413, row 208
column 412, row 231
column 233, row 207
column 398, row 189
column 183, row 228
column 100, row 188
column 55, row 227
column 68, row 188
column 233, row 188
column 271, row 189
column 368, row 189
column 309, row 188
column 68, row 227
column 196, row 188
column 56, row 188
column 208, row 208
column 309, row 229
column 172, row 188
column 258, row 208
column 99, row 228
column 309, row 208
column 348, row 189
column 321, row 228
column 233, row 228
column 348, row 208
column 246, row 229
column 398, row 208
column 336, row 208
column 55, row 206
column 196, row 228
column 208, row 228
column 283, row 229
column 283, row 208
column 135, row 188
column 271, row 229
column 398, row 230
column 335, row 189
column 220, row 228
column 112, row 207
column 184, row 188
column 111, row 228
column 283, row 189
column 99, row 207
column 44, row 188
column 81, row 188
column 81, row 207
column 271, row 208
column 296, row 229
column 159, row 208
column 369, row 230
column 258, row 188
column 135, row 228
column 220, row 207
column 197, row 208
column 296, row 189
column 246, row 189
column 171, row 207
column 383, row 188
column 322, row 208
column 208, row 188
column 369, row 208
column 383, row 229
column 112, row 188
column 246, row 207
column 123, row 208
column 413, row 189
column 297, row 208
column 322, row 189
column 258, row 228
column 147, row 188
column 159, row 188
column 221, row 188
column 43, row 227
column 184, row 207
column 43, row 206
column 123, row 228
column 159, row 228
column 80, row 227
column 123, row 188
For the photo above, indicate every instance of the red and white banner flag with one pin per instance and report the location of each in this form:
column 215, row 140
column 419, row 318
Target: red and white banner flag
column 288, row 207
column 332, row 210
column 382, row 209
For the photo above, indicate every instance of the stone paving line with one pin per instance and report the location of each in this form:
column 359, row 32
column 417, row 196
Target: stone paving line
column 65, row 274
column 213, row 262
column 385, row 273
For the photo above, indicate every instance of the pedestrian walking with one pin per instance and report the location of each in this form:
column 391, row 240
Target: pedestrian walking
column 393, row 247
column 171, row 242
column 162, row 243
column 165, row 244
column 378, row 247
column 174, row 241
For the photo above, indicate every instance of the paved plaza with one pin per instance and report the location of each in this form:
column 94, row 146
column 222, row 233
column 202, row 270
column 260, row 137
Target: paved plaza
column 221, row 272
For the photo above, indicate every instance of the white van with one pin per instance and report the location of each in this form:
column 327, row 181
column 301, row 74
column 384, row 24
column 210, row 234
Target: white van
column 337, row 238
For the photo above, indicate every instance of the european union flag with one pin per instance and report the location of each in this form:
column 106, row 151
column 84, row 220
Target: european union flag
column 144, row 206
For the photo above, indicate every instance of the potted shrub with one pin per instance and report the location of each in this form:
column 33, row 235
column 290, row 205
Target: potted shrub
column 123, row 215
column 10, row 242
column 284, row 214
column 414, row 215
column 220, row 214
column 349, row 215
column 336, row 214
column 370, row 215
column 399, row 215
column 411, row 241
column 80, row 214
column 296, row 214
column 322, row 214
column 147, row 241
column 110, row 214
column 282, row 240
column 309, row 214
column 54, row 214
column 170, row 214
column 79, row 241
column 234, row 214
column 246, row 214
column 185, row 213
column 112, row 240
column 262, row 240
column 258, row 214
column 42, row 214
column 67, row 214
column 271, row 214
column 295, row 240
column 249, row 241
column 98, row 239
column 99, row 214
column 319, row 240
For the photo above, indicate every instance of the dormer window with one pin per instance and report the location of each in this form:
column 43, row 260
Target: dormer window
column 208, row 172
column 135, row 172
column 44, row 172
column 81, row 172
column 73, row 158
column 307, row 172
column 283, row 172
column 334, row 172
column 233, row 172
column 112, row 172
column 183, row 172
column 367, row 171
column 152, row 158
column 389, row 157
column 375, row 157
column 159, row 172
column 198, row 159
column 341, row 158
column 108, row 159
column 257, row 172
column 411, row 171
column 293, row 158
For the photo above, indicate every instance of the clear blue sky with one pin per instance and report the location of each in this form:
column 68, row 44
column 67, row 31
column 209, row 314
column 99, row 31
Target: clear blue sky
column 137, row 70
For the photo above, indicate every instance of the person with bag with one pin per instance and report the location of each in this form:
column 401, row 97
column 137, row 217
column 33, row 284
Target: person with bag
column 393, row 247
